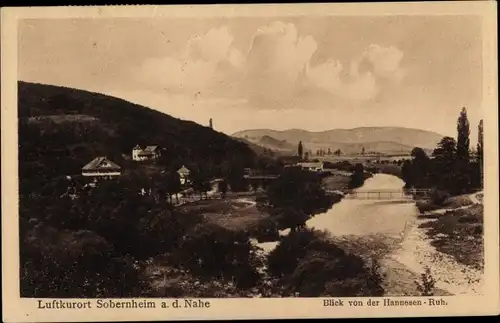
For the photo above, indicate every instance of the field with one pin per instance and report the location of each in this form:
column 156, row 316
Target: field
column 236, row 214
column 336, row 182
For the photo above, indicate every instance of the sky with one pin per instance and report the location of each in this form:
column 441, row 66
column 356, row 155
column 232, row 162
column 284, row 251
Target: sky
column 313, row 73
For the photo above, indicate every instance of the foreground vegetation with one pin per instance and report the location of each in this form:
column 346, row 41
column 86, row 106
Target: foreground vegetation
column 458, row 233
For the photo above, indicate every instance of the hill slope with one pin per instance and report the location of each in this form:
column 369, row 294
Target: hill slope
column 62, row 129
column 378, row 139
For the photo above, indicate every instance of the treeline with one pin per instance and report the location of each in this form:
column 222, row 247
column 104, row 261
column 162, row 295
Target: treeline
column 294, row 197
column 453, row 167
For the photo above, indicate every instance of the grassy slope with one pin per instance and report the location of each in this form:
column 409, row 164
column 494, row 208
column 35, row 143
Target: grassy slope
column 62, row 129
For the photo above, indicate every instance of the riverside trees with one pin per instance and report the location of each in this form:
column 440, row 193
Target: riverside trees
column 294, row 197
column 451, row 168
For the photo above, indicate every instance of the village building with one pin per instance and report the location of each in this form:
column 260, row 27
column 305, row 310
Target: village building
column 184, row 173
column 101, row 167
column 311, row 166
column 148, row 153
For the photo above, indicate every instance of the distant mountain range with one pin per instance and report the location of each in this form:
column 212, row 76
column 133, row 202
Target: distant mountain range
column 386, row 140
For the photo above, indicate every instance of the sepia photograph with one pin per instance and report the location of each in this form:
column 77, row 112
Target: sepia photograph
column 250, row 156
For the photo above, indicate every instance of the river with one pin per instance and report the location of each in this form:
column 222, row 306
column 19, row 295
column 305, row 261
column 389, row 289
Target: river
column 396, row 223
column 391, row 218
column 366, row 217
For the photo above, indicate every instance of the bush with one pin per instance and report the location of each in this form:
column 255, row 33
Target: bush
column 74, row 264
column 309, row 265
column 427, row 283
column 438, row 197
column 210, row 251
column 265, row 231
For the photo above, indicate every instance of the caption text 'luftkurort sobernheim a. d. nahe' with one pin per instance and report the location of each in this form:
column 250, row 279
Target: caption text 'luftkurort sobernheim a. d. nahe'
column 205, row 304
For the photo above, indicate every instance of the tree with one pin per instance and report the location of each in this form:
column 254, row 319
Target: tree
column 362, row 150
column 294, row 197
column 300, row 150
column 357, row 177
column 234, row 173
column 222, row 187
column 200, row 181
column 210, row 123
column 443, row 172
column 306, row 156
column 480, row 150
column 446, row 150
column 480, row 142
column 420, row 168
column 463, row 136
column 329, row 152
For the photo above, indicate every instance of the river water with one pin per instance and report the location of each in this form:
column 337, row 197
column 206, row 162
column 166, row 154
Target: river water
column 392, row 218
column 366, row 217
column 396, row 220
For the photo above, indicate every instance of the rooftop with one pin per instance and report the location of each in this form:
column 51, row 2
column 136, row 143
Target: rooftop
column 101, row 163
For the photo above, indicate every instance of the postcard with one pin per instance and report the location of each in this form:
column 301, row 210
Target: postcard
column 253, row 161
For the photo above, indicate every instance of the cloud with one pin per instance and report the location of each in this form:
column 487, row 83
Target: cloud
column 365, row 77
column 385, row 61
column 356, row 86
column 275, row 73
column 215, row 46
column 201, row 66
column 276, row 57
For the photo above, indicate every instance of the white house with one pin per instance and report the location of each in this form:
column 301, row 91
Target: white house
column 315, row 167
column 184, row 173
column 148, row 153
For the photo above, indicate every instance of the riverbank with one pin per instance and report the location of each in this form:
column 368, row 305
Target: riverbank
column 449, row 241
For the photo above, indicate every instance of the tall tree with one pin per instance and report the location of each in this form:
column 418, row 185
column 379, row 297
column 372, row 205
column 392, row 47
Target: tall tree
column 444, row 164
column 300, row 150
column 463, row 140
column 211, row 123
column 480, row 143
column 420, row 168
column 480, row 151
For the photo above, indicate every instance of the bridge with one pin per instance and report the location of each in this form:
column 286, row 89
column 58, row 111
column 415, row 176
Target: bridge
column 388, row 194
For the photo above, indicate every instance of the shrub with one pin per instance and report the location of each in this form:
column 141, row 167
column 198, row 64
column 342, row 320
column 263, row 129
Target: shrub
column 210, row 251
column 438, row 197
column 427, row 283
column 310, row 265
column 74, row 264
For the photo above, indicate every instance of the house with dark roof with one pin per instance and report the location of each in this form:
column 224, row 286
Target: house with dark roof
column 101, row 167
column 148, row 153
